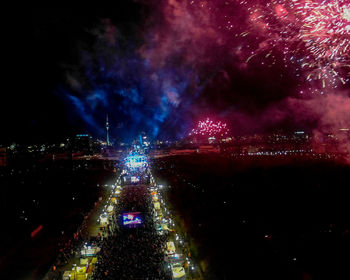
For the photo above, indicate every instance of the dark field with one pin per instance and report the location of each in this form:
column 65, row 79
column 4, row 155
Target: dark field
column 262, row 218
column 56, row 195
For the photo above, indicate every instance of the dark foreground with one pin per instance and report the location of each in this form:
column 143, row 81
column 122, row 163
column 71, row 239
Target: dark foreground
column 52, row 197
column 256, row 218
column 260, row 218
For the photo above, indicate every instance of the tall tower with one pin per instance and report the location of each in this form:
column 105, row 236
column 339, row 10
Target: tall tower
column 107, row 128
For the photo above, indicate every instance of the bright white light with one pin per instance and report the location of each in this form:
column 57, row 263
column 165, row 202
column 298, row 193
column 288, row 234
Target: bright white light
column 347, row 14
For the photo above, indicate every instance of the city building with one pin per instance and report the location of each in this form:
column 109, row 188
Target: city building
column 82, row 143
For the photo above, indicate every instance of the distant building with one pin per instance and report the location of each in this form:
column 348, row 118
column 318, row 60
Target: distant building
column 82, row 143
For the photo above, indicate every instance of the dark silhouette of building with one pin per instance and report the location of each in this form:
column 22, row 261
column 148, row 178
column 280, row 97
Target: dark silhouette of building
column 82, row 143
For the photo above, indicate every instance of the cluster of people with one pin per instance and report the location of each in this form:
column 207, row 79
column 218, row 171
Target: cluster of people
column 70, row 249
column 133, row 253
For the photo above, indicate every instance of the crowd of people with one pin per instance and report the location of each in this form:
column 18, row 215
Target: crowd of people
column 71, row 248
column 133, row 253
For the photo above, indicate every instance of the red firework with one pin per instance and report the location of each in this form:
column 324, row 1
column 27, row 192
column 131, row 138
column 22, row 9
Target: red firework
column 209, row 128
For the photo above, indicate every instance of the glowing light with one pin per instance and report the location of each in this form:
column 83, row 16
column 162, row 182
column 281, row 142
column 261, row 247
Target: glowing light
column 135, row 160
column 36, row 231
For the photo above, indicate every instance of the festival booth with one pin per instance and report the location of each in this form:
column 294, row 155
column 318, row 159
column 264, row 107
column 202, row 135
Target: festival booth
column 175, row 258
column 178, row 272
column 80, row 273
column 159, row 213
column 165, row 227
column 77, row 273
column 157, row 205
column 89, row 251
column 66, row 275
column 110, row 209
column 103, row 220
column 170, row 247
column 153, row 192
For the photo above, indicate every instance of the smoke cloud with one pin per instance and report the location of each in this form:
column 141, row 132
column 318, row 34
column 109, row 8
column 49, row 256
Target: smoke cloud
column 183, row 63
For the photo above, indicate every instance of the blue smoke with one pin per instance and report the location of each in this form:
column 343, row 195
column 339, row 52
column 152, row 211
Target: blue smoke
column 116, row 80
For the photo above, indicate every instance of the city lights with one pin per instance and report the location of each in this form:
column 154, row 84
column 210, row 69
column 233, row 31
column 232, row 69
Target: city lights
column 177, row 140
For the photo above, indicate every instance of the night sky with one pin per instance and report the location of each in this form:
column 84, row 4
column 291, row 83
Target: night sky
column 160, row 66
column 43, row 42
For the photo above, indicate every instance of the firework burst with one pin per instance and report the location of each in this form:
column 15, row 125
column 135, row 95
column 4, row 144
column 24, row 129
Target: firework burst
column 325, row 32
column 209, row 128
column 311, row 35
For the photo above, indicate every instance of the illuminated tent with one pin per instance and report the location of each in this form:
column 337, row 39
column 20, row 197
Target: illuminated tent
column 157, row 205
column 178, row 272
column 165, row 227
column 170, row 246
column 66, row 275
column 81, row 269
